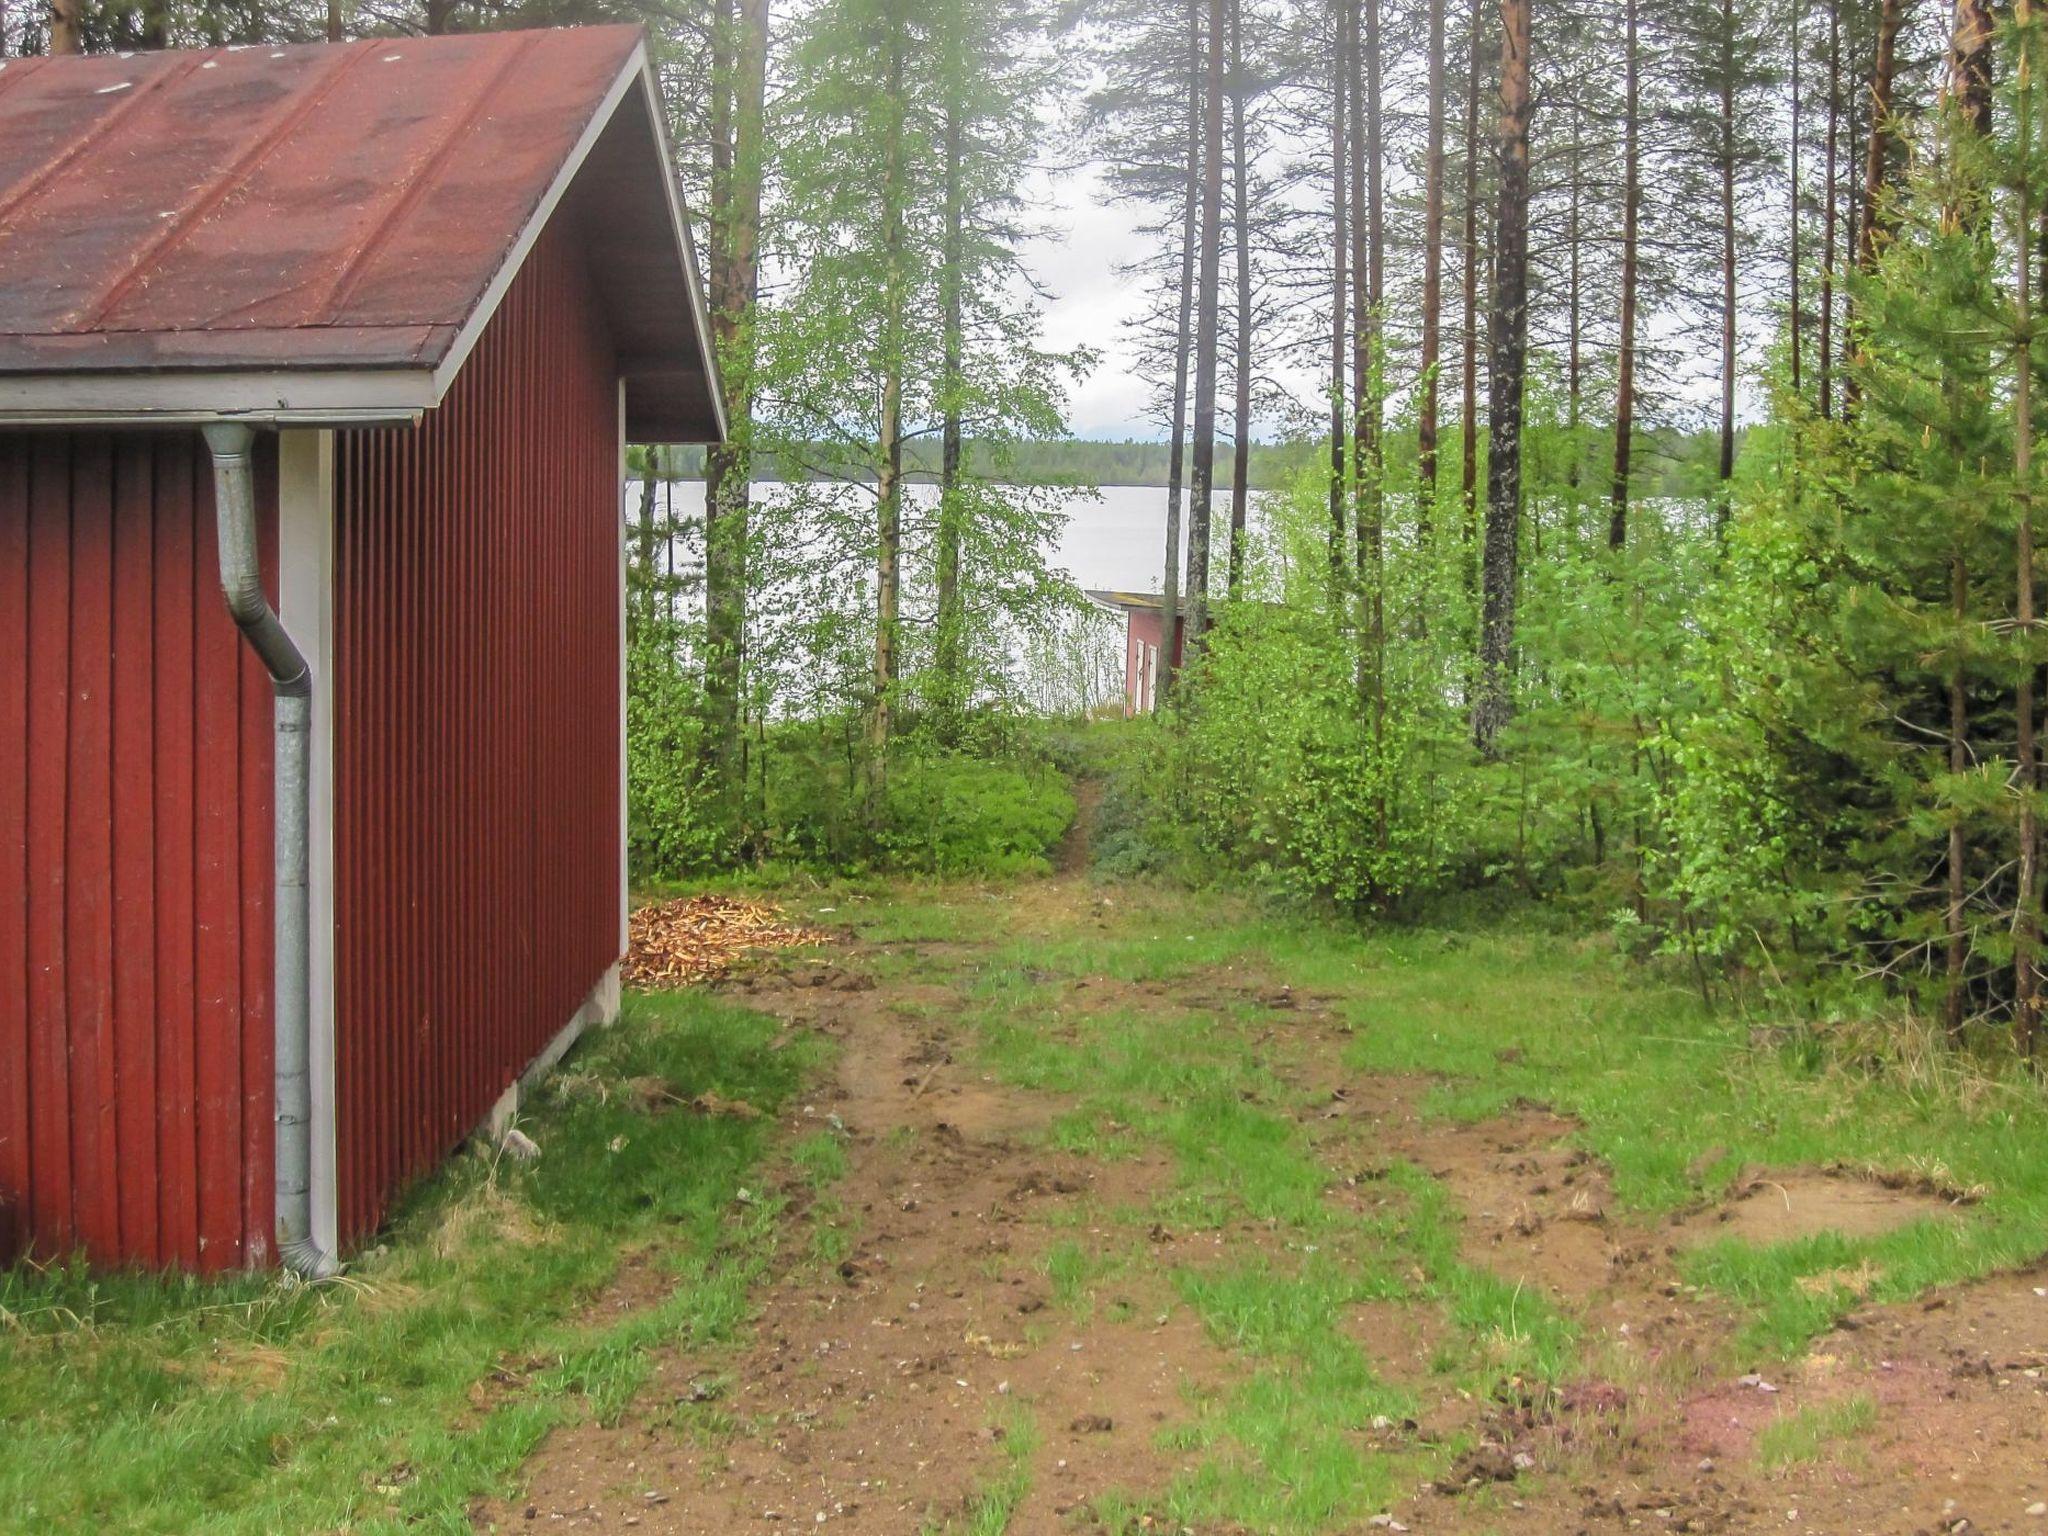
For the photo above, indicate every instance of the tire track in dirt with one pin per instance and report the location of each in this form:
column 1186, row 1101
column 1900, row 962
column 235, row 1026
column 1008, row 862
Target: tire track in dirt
column 883, row 1392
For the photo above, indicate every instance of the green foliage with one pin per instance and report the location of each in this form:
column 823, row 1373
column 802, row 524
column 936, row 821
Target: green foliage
column 674, row 820
column 999, row 809
column 951, row 814
column 1860, row 657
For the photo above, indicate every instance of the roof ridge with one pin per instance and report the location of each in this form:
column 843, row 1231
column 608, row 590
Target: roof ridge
column 98, row 130
column 409, row 193
column 226, row 185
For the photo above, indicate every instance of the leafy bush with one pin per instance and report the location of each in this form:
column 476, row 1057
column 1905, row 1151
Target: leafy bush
column 673, row 823
column 950, row 814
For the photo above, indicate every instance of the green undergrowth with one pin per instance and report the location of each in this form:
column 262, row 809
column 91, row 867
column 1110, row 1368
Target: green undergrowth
column 392, row 1398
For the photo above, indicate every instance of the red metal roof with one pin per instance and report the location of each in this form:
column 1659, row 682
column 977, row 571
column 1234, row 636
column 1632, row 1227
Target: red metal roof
column 350, row 207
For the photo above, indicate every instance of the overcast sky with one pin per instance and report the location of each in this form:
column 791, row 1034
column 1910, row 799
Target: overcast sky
column 1092, row 301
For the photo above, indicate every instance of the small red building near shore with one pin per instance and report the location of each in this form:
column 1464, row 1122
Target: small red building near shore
column 296, row 886
column 1144, row 622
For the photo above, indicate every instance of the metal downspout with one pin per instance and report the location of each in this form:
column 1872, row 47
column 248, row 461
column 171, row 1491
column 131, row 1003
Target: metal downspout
column 241, row 580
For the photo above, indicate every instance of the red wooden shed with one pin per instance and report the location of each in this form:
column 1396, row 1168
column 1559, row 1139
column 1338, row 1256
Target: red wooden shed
column 295, row 887
column 1144, row 622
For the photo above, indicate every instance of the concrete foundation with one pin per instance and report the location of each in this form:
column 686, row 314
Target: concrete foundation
column 600, row 1007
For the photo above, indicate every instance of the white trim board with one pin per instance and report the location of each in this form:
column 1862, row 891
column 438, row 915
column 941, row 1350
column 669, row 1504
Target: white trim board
column 305, row 561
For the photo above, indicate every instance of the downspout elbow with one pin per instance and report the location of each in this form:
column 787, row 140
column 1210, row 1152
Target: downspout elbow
column 291, row 678
column 232, row 445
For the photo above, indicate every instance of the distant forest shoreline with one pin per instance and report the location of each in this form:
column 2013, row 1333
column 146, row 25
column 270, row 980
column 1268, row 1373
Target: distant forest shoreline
column 1668, row 464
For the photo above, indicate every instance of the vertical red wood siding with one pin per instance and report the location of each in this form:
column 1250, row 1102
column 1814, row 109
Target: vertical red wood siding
column 135, row 914
column 476, row 641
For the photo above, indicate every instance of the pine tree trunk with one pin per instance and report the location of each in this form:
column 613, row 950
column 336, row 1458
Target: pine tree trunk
column 1876, row 164
column 1367, row 408
column 1507, row 355
column 1631, row 203
column 1170, row 602
column 2027, row 916
column 1339, row 300
column 1877, row 158
column 1969, row 63
column 1469, row 402
column 1572, row 370
column 65, row 16
column 949, row 647
column 738, row 99
column 1241, row 455
column 1207, row 317
column 1969, row 86
column 1361, row 289
column 1727, row 169
column 1797, row 317
column 889, row 445
column 1953, row 1002
column 646, row 548
column 1432, row 279
column 1830, row 203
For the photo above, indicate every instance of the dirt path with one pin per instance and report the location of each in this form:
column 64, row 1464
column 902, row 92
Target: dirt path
column 974, row 1330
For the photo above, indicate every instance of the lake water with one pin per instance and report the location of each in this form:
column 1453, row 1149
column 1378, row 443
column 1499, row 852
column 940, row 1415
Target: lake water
column 1114, row 539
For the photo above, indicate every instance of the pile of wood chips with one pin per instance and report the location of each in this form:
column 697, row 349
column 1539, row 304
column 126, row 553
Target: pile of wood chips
column 694, row 939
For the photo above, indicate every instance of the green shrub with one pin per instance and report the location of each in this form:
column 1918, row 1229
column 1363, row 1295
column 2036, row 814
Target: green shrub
column 951, row 814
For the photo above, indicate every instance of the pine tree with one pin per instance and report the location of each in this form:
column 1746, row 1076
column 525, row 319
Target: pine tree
column 1508, row 332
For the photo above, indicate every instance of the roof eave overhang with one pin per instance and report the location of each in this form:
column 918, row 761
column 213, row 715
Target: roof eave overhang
column 361, row 396
column 277, row 397
column 686, row 245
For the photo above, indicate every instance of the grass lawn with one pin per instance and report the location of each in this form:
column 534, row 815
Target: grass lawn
column 388, row 1401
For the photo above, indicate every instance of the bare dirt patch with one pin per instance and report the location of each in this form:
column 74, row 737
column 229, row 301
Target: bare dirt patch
column 1781, row 1206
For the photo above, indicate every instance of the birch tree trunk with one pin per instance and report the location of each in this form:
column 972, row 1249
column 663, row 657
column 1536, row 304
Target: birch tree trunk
column 1339, row 280
column 1469, row 402
column 889, row 455
column 948, row 643
column 1372, row 316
